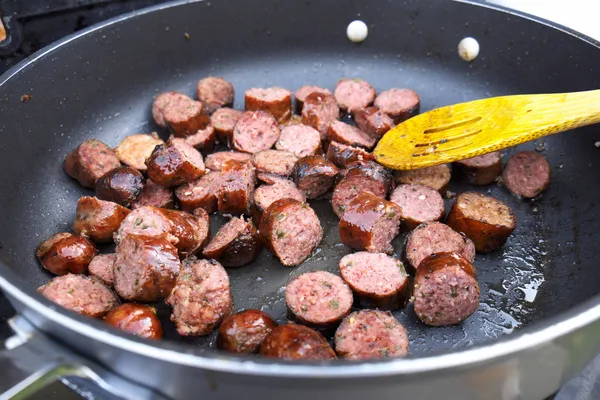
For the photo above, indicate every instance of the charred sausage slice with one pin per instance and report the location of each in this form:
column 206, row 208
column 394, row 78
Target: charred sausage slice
column 98, row 219
column 200, row 193
column 255, row 131
column 275, row 162
column 399, row 104
column 274, row 100
column 419, row 204
column 343, row 155
column 446, row 291
column 175, row 163
column 291, row 230
column 319, row 298
column 82, row 294
column 265, row 195
column 201, row 299
column 245, row 331
column 485, row 220
column 373, row 122
column 296, row 342
column 314, row 175
column 121, row 185
column 354, row 94
column 65, row 253
column 527, row 174
column 300, row 140
column 377, row 279
column 89, row 161
column 302, row 93
column 236, row 244
column 185, row 116
column 102, row 267
column 236, row 192
column 214, row 92
column 342, row 132
column 319, row 111
column 481, row 170
column 371, row 334
column 138, row 319
column 135, row 149
column 154, row 195
column 436, row 177
column 223, row 120
column 216, row 161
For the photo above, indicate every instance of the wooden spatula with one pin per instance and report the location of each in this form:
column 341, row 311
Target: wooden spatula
column 477, row 127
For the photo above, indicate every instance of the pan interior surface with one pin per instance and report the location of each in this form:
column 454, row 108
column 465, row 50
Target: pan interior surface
column 101, row 86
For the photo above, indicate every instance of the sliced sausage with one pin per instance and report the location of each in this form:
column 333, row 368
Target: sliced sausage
column 274, row 100
column 145, row 268
column 162, row 102
column 83, row 294
column 481, row 170
column 300, row 140
column 319, row 111
column 354, row 94
column 89, row 161
column 435, row 237
column 223, row 120
column 185, row 116
column 527, row 174
column 296, row 342
column 373, row 121
column 275, row 162
column 200, row 193
column 485, row 220
column 135, row 149
column 302, row 93
column 370, row 223
column 121, row 185
column 399, row 104
column 154, row 195
column 265, row 195
column 214, row 92
column 377, row 279
column 436, row 177
column 65, row 253
column 342, row 132
column 236, row 244
column 360, row 177
column 201, row 298
column 236, row 192
column 204, row 140
column 319, row 298
column 102, row 267
column 419, row 204
column 138, row 319
column 371, row 334
column 175, row 163
column 245, row 331
column 446, row 291
column 343, row 155
column 314, row 175
column 98, row 219
column 216, row 161
column 291, row 230
column 255, row 131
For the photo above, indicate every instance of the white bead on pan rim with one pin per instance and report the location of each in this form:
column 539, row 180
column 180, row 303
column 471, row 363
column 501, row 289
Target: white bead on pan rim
column 357, row 31
column 468, row 49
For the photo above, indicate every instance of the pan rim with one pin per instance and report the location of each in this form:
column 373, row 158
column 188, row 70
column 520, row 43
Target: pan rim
column 533, row 335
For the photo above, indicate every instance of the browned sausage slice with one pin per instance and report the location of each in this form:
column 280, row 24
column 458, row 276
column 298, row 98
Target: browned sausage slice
column 275, row 162
column 245, row 331
column 200, row 193
column 102, row 267
column 216, row 161
column 65, row 253
column 485, row 220
column 435, row 237
column 255, row 131
column 360, row 177
column 236, row 192
column 137, row 319
column 291, row 230
column 296, row 342
column 419, row 204
column 481, row 170
column 371, row 334
column 223, row 120
column 175, row 163
column 236, row 244
column 314, row 175
column 162, row 102
column 185, row 116
column 214, row 92
column 204, row 140
column 154, row 195
column 527, row 174
column 265, row 195
column 342, row 132
column 319, row 298
column 201, row 299
column 135, row 149
column 377, row 279
column 436, row 177
column 98, row 219
column 274, row 100
column 301, row 140
column 446, row 291
column 373, row 121
column 319, row 111
column 343, row 155
column 89, row 161
column 82, row 294
column 121, row 185
column 399, row 104
column 354, row 94
column 302, row 93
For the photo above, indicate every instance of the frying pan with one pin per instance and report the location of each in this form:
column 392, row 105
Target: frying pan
column 537, row 324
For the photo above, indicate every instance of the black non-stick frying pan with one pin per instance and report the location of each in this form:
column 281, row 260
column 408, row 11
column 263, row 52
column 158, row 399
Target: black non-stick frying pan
column 537, row 321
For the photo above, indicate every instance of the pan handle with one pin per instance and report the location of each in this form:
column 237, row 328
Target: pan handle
column 31, row 361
